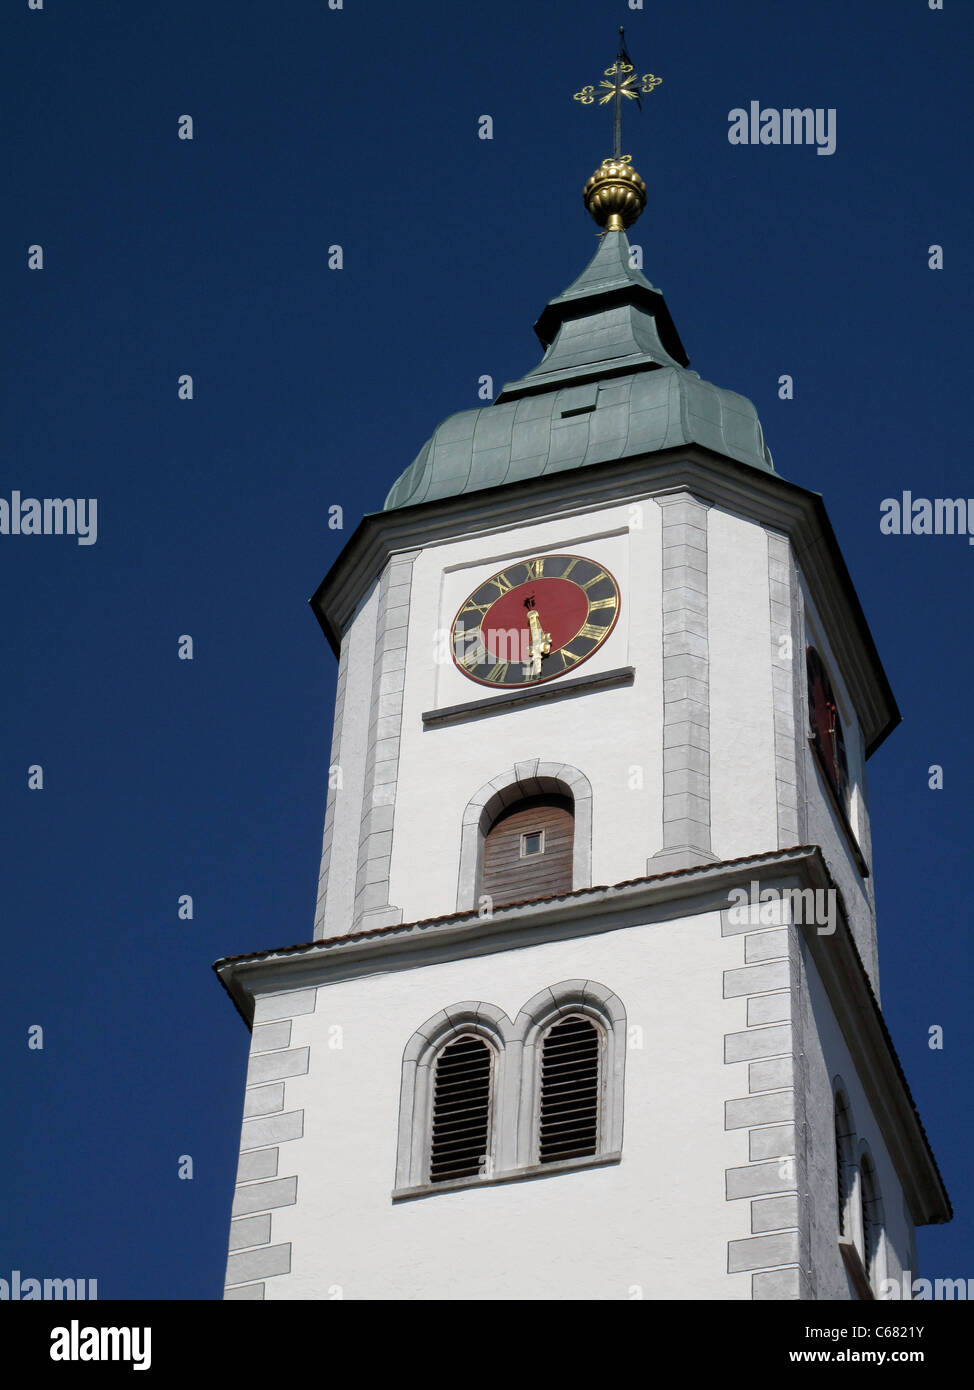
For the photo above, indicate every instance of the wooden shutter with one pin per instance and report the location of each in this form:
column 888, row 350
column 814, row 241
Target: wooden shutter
column 510, row 876
column 570, row 1067
column 461, row 1109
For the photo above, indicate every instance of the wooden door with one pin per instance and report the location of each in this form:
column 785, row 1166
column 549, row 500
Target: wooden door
column 528, row 850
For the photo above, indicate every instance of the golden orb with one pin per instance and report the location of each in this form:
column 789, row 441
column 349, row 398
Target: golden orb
column 615, row 195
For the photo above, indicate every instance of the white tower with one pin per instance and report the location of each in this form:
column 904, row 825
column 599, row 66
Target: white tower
column 591, row 1009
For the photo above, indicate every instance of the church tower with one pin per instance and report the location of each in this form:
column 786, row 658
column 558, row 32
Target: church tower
column 591, row 1005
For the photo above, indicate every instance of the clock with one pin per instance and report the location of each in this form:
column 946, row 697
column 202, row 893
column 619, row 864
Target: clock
column 534, row 620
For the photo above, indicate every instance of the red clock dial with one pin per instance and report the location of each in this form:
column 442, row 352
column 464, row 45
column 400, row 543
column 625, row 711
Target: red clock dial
column 535, row 620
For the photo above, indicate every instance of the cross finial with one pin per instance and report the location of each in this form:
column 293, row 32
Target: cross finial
column 619, row 81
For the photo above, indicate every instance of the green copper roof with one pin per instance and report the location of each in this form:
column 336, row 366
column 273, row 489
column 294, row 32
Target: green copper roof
column 613, row 383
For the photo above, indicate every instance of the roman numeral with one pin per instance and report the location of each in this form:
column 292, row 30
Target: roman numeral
column 503, row 583
column 535, row 568
column 595, row 579
column 474, row 657
column 593, row 630
column 499, row 672
column 568, row 656
column 571, row 565
column 481, row 608
column 598, row 603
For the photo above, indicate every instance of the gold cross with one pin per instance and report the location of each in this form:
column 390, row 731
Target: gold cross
column 624, row 87
column 625, row 82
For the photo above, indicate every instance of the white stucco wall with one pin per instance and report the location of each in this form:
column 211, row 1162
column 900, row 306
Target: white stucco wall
column 743, row 814
column 657, row 1223
column 613, row 736
column 351, row 754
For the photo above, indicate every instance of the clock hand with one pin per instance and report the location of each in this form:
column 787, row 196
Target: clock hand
column 540, row 643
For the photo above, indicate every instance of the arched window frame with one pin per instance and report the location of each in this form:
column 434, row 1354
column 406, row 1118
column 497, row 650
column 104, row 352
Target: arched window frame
column 606, row 1011
column 861, row 1225
column 515, row 1084
column 872, row 1223
column 834, row 762
column 846, row 1197
column 533, row 777
column 845, row 789
column 416, row 1090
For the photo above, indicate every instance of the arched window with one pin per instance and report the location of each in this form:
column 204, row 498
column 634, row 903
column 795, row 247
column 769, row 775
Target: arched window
column 528, row 850
column 859, row 1207
column 571, row 1066
column 573, row 1061
column 460, row 1138
column 845, row 1172
column 485, row 1099
column 825, row 727
column 872, row 1218
column 521, row 788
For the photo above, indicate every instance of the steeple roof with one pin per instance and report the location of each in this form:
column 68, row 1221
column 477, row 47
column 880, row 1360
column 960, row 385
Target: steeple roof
column 613, row 383
column 610, row 312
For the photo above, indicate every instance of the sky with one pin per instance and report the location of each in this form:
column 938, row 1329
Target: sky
column 316, row 387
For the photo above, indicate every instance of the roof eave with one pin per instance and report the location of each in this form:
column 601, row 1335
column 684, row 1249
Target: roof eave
column 608, row 908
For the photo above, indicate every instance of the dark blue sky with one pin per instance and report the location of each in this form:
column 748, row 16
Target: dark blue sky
column 316, row 387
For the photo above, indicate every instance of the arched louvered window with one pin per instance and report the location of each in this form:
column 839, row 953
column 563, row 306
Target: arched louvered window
column 528, row 851
column 460, row 1141
column 825, row 727
column 872, row 1216
column 571, row 1061
column 844, row 1166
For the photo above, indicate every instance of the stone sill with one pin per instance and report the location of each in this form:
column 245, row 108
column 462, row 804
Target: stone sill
column 534, row 1170
column 535, row 695
column 840, row 812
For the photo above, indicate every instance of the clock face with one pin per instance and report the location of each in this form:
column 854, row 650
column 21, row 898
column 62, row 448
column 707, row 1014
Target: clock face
column 535, row 620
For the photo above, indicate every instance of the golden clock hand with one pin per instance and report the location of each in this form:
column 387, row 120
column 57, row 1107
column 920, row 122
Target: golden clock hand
column 540, row 644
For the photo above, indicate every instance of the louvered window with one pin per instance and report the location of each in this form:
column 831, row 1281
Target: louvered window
column 461, row 1109
column 570, row 1066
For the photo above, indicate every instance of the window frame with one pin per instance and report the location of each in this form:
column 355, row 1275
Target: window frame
column 866, row 1268
column 515, row 1077
column 600, row 1084
column 847, row 801
column 444, row 1044
column 871, row 1219
column 539, row 851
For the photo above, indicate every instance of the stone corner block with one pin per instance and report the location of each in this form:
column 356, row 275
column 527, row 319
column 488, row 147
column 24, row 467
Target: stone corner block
column 789, row 1284
column 757, row 1252
column 242, row 1292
